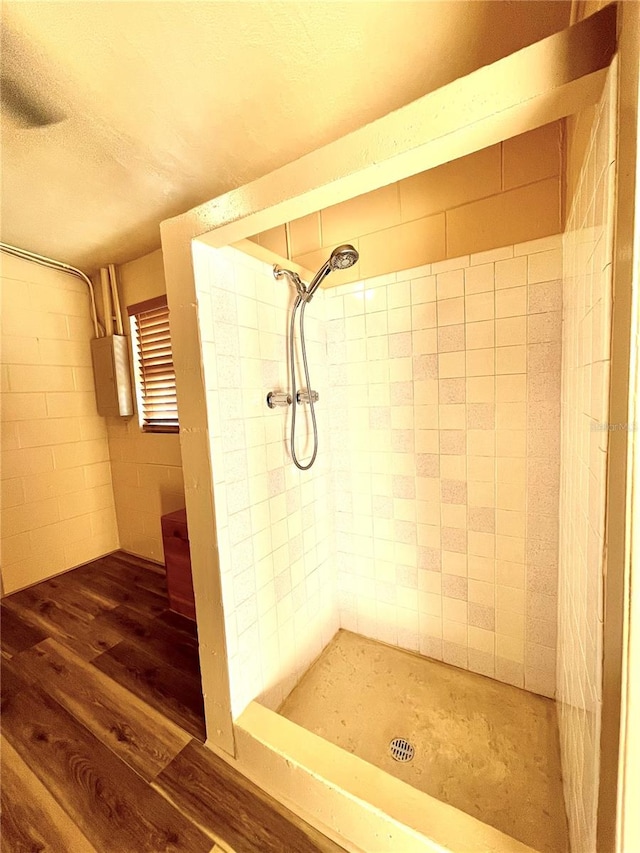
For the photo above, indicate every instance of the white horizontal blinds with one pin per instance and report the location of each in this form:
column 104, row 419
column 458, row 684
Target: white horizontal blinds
column 154, row 367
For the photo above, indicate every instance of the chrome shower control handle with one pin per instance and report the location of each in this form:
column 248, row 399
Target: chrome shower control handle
column 306, row 396
column 278, row 398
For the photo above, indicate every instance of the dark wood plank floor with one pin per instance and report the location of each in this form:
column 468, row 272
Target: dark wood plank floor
column 103, row 726
column 114, row 614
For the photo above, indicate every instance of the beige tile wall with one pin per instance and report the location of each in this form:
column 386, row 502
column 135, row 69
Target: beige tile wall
column 502, row 195
column 146, row 468
column 57, row 496
column 444, row 430
column 274, row 523
column 585, row 388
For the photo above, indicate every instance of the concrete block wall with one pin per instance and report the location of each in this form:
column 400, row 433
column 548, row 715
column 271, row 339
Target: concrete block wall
column 57, row 497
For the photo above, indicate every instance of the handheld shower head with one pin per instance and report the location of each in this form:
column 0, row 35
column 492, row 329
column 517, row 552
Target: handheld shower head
column 340, row 259
column 343, row 257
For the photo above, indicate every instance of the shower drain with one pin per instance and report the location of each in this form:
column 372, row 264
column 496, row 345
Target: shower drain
column 401, row 749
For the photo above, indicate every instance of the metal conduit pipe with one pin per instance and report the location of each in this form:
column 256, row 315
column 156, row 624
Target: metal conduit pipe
column 62, row 267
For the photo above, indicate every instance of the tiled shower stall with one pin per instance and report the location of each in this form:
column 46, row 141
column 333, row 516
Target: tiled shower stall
column 456, row 507
column 429, row 520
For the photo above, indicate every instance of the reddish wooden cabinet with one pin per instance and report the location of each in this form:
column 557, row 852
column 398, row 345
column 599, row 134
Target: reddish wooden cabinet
column 177, row 558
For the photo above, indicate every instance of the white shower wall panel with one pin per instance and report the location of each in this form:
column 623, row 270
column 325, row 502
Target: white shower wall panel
column 274, row 523
column 588, row 254
column 444, row 431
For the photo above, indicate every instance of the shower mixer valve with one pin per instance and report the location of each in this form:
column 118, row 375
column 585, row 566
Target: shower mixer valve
column 276, row 399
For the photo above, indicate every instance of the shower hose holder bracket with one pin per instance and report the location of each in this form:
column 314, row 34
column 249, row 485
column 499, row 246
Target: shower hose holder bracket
column 306, row 396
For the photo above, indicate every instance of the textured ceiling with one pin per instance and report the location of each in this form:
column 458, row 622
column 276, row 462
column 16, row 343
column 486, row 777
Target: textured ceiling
column 169, row 104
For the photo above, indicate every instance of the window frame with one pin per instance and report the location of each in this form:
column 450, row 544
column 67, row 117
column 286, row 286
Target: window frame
column 140, row 367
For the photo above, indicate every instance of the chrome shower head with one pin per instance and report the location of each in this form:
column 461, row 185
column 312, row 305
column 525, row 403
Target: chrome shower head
column 340, row 259
column 343, row 257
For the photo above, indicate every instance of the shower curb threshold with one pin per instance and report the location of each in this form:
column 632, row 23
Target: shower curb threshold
column 357, row 804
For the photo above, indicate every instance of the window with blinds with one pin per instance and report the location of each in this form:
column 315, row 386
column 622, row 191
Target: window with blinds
column 153, row 366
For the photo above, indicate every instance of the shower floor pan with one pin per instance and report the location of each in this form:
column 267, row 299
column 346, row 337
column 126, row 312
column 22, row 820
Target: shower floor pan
column 486, row 748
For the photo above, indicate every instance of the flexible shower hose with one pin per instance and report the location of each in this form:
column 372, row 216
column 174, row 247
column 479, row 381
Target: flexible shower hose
column 294, row 393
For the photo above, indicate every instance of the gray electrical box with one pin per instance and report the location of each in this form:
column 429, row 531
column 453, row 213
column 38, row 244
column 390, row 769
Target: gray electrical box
column 110, row 357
